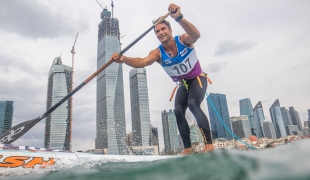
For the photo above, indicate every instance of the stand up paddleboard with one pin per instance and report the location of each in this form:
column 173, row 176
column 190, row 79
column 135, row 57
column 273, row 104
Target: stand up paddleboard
column 26, row 157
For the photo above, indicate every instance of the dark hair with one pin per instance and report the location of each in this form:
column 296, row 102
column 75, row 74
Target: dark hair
column 165, row 22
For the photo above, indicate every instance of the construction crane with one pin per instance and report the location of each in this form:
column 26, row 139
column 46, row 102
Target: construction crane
column 101, row 5
column 71, row 88
column 112, row 4
column 73, row 52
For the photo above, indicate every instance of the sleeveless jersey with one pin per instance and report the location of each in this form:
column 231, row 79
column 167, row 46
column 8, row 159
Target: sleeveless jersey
column 183, row 66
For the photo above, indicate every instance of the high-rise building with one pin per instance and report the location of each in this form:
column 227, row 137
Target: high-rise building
column 277, row 119
column 295, row 118
column 293, row 130
column 269, row 130
column 195, row 134
column 140, row 113
column 154, row 136
column 110, row 120
column 221, row 109
column 286, row 118
column 246, row 108
column 6, row 115
column 259, row 118
column 309, row 115
column 58, row 124
column 170, row 131
column 181, row 144
column 241, row 126
column 306, row 124
column 305, row 129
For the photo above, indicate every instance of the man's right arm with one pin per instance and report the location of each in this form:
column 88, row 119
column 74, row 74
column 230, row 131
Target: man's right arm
column 137, row 62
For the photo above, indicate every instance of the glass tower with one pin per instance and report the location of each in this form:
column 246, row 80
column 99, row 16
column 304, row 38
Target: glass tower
column 269, row 130
column 241, row 126
column 110, row 120
column 195, row 134
column 277, row 119
column 246, row 108
column 140, row 113
column 6, row 115
column 286, row 118
column 154, row 136
column 295, row 118
column 58, row 123
column 259, row 119
column 170, row 131
column 220, row 104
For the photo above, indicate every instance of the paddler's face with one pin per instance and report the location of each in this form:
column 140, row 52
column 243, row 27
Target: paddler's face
column 163, row 33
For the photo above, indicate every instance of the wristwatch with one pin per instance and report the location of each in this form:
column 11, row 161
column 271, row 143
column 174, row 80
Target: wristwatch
column 179, row 18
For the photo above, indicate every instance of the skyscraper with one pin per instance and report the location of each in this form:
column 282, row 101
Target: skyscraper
column 195, row 134
column 154, row 136
column 277, row 119
column 6, row 115
column 293, row 130
column 269, row 130
column 241, row 126
column 220, row 104
column 259, row 118
column 295, row 118
column 246, row 108
column 140, row 113
column 309, row 115
column 110, row 120
column 286, row 118
column 57, row 124
column 170, row 131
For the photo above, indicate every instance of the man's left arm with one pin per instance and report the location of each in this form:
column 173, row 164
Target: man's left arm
column 191, row 34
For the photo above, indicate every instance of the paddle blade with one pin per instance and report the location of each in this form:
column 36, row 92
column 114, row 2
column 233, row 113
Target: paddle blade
column 17, row 131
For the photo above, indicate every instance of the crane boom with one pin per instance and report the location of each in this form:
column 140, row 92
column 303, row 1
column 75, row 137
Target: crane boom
column 101, row 5
column 71, row 88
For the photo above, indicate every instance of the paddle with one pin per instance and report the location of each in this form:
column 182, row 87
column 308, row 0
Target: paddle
column 20, row 129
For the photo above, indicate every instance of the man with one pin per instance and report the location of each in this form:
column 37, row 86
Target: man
column 178, row 58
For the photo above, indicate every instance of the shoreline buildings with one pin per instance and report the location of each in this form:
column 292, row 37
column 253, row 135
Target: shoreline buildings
column 58, row 130
column 110, row 111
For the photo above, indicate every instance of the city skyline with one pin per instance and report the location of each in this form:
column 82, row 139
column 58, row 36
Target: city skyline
column 245, row 47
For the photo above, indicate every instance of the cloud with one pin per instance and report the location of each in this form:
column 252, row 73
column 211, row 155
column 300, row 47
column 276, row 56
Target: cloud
column 230, row 47
column 215, row 67
column 36, row 20
column 16, row 63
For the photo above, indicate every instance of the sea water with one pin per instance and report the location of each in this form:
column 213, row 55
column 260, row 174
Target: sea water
column 287, row 162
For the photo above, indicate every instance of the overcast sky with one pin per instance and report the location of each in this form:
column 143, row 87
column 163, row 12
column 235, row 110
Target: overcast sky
column 250, row 49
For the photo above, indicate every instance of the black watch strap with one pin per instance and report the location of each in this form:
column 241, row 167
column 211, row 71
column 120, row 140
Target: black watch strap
column 179, row 18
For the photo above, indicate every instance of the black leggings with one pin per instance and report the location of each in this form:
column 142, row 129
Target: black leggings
column 192, row 98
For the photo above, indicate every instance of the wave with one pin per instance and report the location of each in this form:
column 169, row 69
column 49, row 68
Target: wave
column 286, row 162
